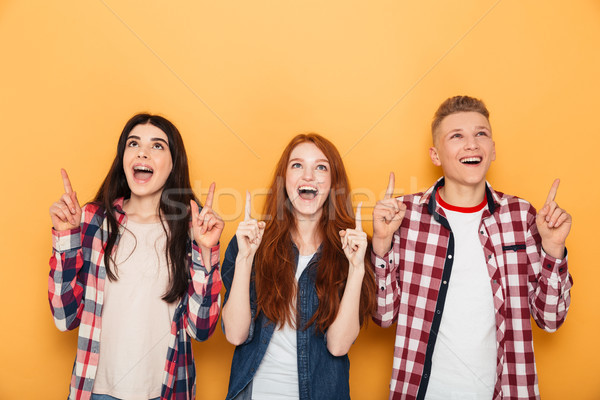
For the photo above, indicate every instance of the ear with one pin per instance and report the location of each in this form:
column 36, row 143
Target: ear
column 435, row 159
column 493, row 151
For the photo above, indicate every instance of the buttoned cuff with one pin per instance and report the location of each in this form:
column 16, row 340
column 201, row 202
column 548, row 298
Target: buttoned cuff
column 554, row 266
column 66, row 240
column 380, row 264
column 215, row 254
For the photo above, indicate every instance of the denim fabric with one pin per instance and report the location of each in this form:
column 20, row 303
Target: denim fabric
column 320, row 374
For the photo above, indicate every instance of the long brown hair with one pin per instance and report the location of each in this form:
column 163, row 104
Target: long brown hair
column 274, row 260
column 173, row 209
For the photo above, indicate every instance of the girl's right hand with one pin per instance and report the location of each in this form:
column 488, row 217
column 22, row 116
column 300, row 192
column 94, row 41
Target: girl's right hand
column 66, row 212
column 249, row 233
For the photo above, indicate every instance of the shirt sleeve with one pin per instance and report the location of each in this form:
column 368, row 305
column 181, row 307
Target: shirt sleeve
column 386, row 277
column 204, row 298
column 65, row 281
column 228, row 273
column 549, row 282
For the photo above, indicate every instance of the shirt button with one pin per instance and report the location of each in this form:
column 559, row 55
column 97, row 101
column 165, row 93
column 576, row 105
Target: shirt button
column 481, row 232
column 382, row 265
column 489, row 256
column 189, row 254
column 425, row 376
column 445, row 282
column 382, row 288
column 495, row 281
column 549, row 266
column 561, row 269
column 438, row 311
column 450, row 256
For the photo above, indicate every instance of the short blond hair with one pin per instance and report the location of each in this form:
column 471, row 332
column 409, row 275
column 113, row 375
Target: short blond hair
column 455, row 105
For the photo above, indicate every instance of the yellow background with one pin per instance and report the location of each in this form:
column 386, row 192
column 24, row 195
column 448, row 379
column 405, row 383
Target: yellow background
column 239, row 79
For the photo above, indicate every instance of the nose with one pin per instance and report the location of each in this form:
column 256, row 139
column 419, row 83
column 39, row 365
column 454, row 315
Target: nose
column 141, row 153
column 471, row 143
column 308, row 174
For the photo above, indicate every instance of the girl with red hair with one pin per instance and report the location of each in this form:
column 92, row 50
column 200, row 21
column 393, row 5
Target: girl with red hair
column 299, row 284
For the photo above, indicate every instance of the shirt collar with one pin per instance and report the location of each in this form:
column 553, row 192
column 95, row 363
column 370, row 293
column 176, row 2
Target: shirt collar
column 428, row 198
column 118, row 204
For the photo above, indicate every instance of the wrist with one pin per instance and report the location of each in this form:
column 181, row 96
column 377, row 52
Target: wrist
column 382, row 245
column 554, row 250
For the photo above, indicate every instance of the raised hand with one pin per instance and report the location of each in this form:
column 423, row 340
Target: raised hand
column 554, row 224
column 249, row 233
column 66, row 212
column 207, row 225
column 387, row 218
column 354, row 243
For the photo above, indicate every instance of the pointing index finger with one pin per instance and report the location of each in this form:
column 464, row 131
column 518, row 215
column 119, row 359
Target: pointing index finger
column 358, row 217
column 210, row 196
column 247, row 216
column 66, row 181
column 553, row 190
column 390, row 189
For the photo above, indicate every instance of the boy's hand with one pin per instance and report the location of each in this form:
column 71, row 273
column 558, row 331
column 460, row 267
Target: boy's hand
column 207, row 225
column 66, row 212
column 553, row 224
column 354, row 244
column 387, row 218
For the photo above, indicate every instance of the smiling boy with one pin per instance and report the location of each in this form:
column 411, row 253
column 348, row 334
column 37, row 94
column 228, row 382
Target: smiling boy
column 461, row 268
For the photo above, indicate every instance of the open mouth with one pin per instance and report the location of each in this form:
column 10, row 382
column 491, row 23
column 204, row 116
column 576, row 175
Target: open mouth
column 307, row 192
column 142, row 172
column 471, row 160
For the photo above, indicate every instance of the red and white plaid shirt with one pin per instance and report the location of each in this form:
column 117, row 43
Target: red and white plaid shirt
column 413, row 280
column 76, row 294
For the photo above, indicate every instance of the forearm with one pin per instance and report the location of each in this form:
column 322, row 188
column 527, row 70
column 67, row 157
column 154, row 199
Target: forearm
column 237, row 315
column 203, row 294
column 65, row 291
column 346, row 326
column 388, row 296
column 549, row 294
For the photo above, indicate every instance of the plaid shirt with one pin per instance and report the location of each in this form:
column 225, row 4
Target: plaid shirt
column 413, row 281
column 76, row 294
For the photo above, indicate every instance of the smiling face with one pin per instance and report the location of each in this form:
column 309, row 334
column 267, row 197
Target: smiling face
column 147, row 160
column 307, row 180
column 464, row 148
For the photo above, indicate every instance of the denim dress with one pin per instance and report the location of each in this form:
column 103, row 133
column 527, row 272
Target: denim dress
column 320, row 374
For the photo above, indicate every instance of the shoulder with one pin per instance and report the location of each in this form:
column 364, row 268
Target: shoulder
column 508, row 202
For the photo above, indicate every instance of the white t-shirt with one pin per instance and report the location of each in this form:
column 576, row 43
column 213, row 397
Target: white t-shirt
column 277, row 375
column 136, row 322
column 464, row 356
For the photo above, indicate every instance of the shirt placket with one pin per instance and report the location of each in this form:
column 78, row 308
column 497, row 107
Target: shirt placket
column 488, row 224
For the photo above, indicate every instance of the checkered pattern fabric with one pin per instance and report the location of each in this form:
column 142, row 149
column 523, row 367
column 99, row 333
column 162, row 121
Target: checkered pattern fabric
column 76, row 295
column 413, row 277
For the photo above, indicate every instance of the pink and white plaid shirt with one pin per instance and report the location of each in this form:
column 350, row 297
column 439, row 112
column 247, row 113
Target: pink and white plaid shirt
column 76, row 295
column 413, row 280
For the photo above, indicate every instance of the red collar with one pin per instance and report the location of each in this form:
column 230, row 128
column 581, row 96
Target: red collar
column 465, row 210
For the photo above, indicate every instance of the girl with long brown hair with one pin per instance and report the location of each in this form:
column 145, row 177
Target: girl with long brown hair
column 299, row 285
column 136, row 270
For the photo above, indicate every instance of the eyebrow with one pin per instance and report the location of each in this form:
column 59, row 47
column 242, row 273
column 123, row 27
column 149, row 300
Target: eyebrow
column 154, row 139
column 319, row 160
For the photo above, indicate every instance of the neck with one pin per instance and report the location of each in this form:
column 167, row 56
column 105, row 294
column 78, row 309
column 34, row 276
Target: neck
column 306, row 236
column 462, row 195
column 142, row 209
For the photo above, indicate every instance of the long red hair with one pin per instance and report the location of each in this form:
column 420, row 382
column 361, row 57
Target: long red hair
column 274, row 260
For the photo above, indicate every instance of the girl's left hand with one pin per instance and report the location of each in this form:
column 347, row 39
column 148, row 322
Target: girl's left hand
column 354, row 243
column 207, row 225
